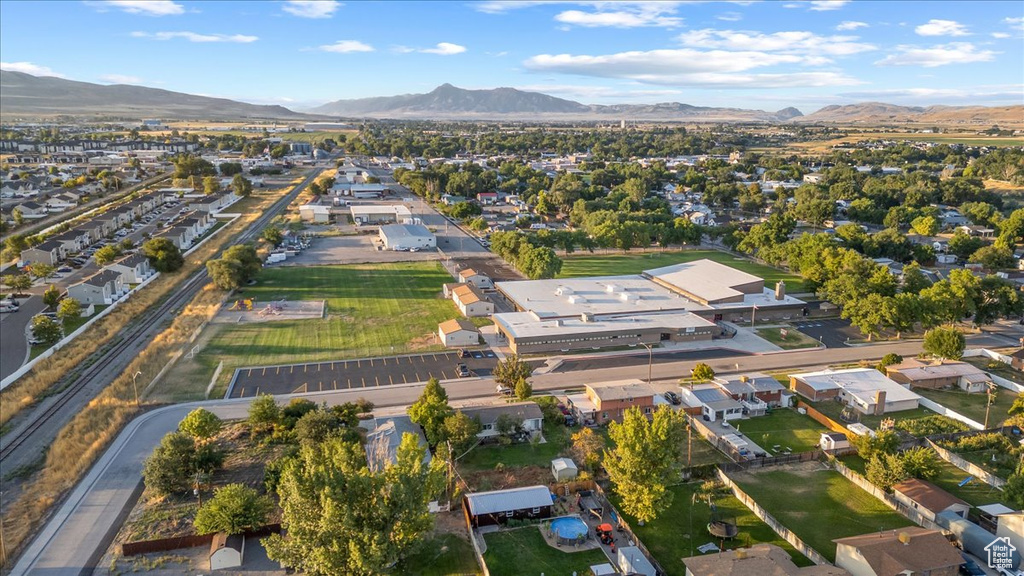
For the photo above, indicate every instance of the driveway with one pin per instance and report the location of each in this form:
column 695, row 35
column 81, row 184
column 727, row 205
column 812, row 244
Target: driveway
column 12, row 333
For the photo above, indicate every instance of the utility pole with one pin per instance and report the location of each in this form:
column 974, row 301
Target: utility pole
column 988, row 404
column 136, row 387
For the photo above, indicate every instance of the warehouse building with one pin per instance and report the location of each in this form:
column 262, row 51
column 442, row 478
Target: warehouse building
column 670, row 304
column 407, row 237
column 379, row 213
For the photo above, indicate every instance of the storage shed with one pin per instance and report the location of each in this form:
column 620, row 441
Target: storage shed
column 226, row 551
column 563, row 469
column 498, row 506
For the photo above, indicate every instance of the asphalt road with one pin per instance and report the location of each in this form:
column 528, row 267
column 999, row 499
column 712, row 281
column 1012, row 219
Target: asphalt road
column 14, row 350
column 833, row 333
column 81, row 530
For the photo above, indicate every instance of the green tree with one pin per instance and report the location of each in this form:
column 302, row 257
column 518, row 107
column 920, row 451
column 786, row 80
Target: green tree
column 586, row 448
column 340, row 517
column 644, row 460
column 884, row 442
column 68, row 309
column 211, row 185
column 273, row 235
column 919, row 462
column 914, row 279
column 702, row 372
column 963, row 244
column 201, row 424
column 233, row 509
column 46, row 330
column 163, row 255
column 523, row 389
column 51, row 296
column 1013, row 491
column 994, row 257
column 171, row 466
column 226, row 274
column 316, row 426
column 18, row 216
column 241, row 185
column 925, row 225
column 107, row 254
column 41, row 270
column 885, row 470
column 19, row 283
column 511, row 370
column 539, row 262
column 247, row 258
column 431, row 410
column 946, row 343
column 460, row 431
column 230, row 168
column 264, row 414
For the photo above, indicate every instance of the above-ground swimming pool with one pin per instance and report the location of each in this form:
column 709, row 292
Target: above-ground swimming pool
column 569, row 529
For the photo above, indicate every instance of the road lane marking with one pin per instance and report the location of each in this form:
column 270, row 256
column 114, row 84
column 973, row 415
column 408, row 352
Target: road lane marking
column 363, row 380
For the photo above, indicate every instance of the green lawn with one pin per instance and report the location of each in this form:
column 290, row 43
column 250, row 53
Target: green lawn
column 444, row 555
column 524, row 551
column 973, row 405
column 786, row 428
column 636, row 262
column 819, row 506
column 487, row 456
column 676, row 534
column 996, row 367
column 794, row 338
column 834, row 409
column 975, row 492
column 372, row 310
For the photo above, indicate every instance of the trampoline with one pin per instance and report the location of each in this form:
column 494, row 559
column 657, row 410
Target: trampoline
column 569, row 530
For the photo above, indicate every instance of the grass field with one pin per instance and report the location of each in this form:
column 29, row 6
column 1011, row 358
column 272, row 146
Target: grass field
column 786, row 428
column 793, row 339
column 819, row 505
column 444, row 555
column 372, row 310
column 975, row 492
column 524, row 551
column 676, row 534
column 636, row 262
column 487, row 456
column 973, row 405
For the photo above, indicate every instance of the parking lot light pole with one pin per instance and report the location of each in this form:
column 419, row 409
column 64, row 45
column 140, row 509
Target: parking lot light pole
column 136, row 387
column 650, row 360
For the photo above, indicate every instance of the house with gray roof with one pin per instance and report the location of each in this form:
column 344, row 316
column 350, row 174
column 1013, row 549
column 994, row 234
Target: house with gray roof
column 499, row 506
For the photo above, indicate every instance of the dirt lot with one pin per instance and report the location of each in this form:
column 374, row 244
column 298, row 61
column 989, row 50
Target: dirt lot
column 356, row 249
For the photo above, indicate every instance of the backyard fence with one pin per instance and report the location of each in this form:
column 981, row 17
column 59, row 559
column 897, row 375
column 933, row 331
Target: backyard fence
column 890, row 501
column 628, row 529
column 969, row 467
column 942, row 410
column 186, row 541
column 758, row 463
column 825, row 421
column 780, row 529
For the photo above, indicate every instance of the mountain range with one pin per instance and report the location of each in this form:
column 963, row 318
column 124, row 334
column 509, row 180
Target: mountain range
column 29, row 96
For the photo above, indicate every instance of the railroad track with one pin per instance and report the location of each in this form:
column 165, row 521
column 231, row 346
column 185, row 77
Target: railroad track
column 130, row 338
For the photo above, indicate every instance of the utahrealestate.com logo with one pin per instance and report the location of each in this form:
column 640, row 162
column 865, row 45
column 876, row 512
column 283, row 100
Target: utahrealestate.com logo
column 1000, row 553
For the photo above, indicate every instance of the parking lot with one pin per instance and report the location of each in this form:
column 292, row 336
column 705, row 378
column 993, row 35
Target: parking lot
column 361, row 373
column 833, row 333
column 358, row 249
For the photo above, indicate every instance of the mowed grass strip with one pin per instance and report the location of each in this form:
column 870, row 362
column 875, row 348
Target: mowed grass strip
column 443, row 555
column 973, row 405
column 636, row 262
column 786, row 428
column 372, row 310
column 819, row 505
column 524, row 551
column 678, row 531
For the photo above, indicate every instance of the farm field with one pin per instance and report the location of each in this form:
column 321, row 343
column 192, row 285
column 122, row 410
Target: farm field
column 372, row 310
column 818, row 505
column 636, row 262
column 676, row 533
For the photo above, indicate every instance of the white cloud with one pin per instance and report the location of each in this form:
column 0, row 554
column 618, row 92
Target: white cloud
column 851, row 25
column 599, row 92
column 717, row 68
column 626, row 15
column 988, row 94
column 29, row 68
column 444, row 49
column 346, row 46
column 826, row 5
column 730, row 17
column 1015, row 23
column 939, row 55
column 942, row 28
column 147, row 7
column 795, row 42
column 311, row 8
column 1000, row 35
column 120, row 79
column 197, row 37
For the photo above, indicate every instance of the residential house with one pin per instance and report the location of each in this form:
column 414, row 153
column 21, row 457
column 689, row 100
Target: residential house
column 58, row 203
column 1017, row 359
column 911, row 550
column 471, row 276
column 754, row 388
column 612, row 399
column 866, row 390
column 487, row 198
column 50, row 252
column 457, row 333
column 941, row 374
column 979, row 231
column 198, row 225
column 134, row 268
column 180, row 236
column 31, row 210
column 715, row 404
column 450, row 200
column 499, row 506
column 760, row 559
column 101, row 288
column 582, row 408
column 383, row 437
column 72, row 241
column 472, row 302
column 928, row 499
column 952, row 218
column 526, row 412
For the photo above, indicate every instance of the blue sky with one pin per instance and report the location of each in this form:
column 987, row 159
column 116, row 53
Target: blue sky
column 765, row 55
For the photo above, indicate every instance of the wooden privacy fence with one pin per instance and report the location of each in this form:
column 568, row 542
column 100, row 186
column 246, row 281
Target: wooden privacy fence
column 825, row 421
column 187, row 541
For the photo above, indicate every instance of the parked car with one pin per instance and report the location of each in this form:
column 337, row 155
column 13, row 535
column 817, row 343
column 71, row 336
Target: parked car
column 570, row 420
column 970, row 568
column 65, row 269
column 463, row 353
column 462, row 370
column 6, row 309
column 504, row 390
column 673, row 398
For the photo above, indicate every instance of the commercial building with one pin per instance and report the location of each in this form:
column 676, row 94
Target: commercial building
column 866, row 390
column 379, row 213
column 315, row 213
column 407, row 237
column 673, row 303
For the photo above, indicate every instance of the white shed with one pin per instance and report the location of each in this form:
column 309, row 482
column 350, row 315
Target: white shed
column 226, row 551
column 632, row 561
column 563, row 469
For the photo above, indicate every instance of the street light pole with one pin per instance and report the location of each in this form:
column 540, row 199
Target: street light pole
column 136, row 387
column 650, row 360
